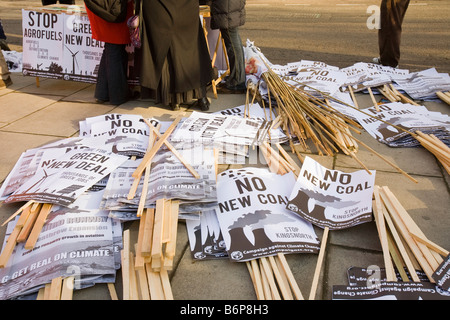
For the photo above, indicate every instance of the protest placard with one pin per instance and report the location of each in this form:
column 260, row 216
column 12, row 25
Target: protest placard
column 253, row 216
column 72, row 242
column 331, row 198
column 66, row 178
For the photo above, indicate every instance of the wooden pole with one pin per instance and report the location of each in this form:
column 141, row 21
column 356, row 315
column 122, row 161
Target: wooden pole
column 38, row 225
column 151, row 153
column 315, row 282
column 381, row 226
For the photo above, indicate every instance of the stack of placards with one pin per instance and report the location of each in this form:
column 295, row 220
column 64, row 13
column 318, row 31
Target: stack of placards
column 393, row 123
column 253, row 217
column 73, row 242
column 331, row 198
column 423, row 85
column 169, row 179
column 371, row 284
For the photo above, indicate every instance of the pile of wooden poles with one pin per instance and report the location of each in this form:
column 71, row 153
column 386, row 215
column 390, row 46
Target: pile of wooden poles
column 393, row 95
column 58, row 289
column 404, row 244
column 27, row 229
column 271, row 276
column 312, row 119
column 439, row 149
column 273, row 279
column 307, row 117
column 444, row 96
column 145, row 269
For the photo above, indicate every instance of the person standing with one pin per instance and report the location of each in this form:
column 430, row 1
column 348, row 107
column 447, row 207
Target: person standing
column 174, row 57
column 111, row 28
column 228, row 16
column 392, row 13
column 3, row 44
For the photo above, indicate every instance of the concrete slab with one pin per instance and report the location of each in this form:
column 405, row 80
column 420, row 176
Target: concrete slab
column 17, row 105
column 59, row 119
column 55, row 87
column 14, row 144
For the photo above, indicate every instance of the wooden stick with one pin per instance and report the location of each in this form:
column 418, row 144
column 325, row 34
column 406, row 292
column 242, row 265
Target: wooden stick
column 401, row 248
column 142, row 281
column 67, row 288
column 156, row 252
column 268, row 273
column 312, row 294
column 170, row 249
column 167, row 288
column 47, row 289
column 26, row 229
column 265, row 283
column 433, row 260
column 55, row 289
column 125, row 253
column 154, row 283
column 147, row 236
column 166, row 221
column 381, row 226
column 151, row 153
column 29, row 203
column 285, row 290
column 406, row 235
column 112, row 291
column 257, row 278
column 134, row 291
column 397, row 259
column 430, row 244
column 444, row 97
column 252, row 277
column 134, row 187
column 387, row 161
column 352, row 94
column 38, row 225
column 374, row 101
column 9, row 247
column 174, row 151
column 139, row 258
column 294, row 286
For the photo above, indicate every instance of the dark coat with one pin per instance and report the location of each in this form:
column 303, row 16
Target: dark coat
column 109, row 10
column 172, row 29
column 226, row 14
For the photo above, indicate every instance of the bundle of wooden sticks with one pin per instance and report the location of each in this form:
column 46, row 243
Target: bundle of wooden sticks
column 32, row 217
column 403, row 243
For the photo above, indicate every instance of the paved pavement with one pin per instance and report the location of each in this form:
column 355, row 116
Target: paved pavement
column 32, row 115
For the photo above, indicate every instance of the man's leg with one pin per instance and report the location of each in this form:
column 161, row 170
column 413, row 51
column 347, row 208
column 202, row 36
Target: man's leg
column 236, row 58
column 389, row 36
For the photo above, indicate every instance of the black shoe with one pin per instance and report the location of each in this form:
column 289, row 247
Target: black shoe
column 174, row 106
column 203, row 103
column 5, row 83
column 100, row 101
column 4, row 45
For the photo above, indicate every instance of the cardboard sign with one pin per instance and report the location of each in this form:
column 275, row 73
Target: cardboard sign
column 66, row 178
column 442, row 274
column 253, row 216
column 331, row 198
